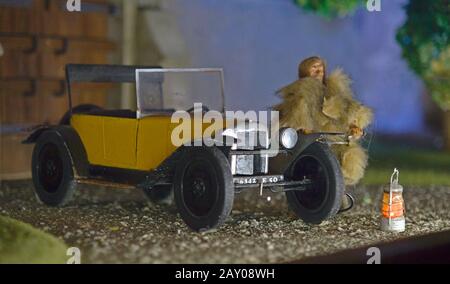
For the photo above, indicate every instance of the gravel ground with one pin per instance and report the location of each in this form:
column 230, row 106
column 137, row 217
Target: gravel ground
column 113, row 225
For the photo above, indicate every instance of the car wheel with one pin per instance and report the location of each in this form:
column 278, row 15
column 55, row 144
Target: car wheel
column 52, row 170
column 159, row 194
column 83, row 108
column 203, row 188
column 322, row 198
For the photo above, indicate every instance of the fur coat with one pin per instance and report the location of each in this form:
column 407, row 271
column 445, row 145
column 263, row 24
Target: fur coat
column 311, row 105
column 308, row 104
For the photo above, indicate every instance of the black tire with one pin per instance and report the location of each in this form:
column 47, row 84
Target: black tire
column 52, row 169
column 322, row 199
column 159, row 194
column 83, row 108
column 203, row 188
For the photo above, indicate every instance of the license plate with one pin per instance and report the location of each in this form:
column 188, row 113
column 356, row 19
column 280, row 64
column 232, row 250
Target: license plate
column 258, row 179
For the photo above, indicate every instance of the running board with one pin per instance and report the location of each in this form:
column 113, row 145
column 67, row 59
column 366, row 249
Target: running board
column 106, row 183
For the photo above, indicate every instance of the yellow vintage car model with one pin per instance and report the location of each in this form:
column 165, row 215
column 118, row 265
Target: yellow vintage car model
column 136, row 148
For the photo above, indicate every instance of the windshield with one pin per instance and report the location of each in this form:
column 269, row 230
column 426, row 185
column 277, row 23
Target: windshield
column 178, row 89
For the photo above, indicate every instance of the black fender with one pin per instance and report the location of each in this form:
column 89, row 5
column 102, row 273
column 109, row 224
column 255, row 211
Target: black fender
column 35, row 133
column 165, row 171
column 218, row 143
column 281, row 163
column 72, row 141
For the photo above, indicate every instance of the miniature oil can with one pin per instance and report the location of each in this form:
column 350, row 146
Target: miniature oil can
column 393, row 206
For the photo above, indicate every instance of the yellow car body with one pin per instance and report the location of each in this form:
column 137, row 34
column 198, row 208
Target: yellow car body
column 127, row 143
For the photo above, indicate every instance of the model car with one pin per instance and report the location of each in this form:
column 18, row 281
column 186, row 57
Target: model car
column 133, row 148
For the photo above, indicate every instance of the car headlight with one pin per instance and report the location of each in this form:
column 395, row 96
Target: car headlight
column 288, row 137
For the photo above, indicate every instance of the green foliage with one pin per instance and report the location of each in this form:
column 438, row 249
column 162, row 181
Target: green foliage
column 424, row 39
column 330, row 8
column 418, row 166
column 21, row 243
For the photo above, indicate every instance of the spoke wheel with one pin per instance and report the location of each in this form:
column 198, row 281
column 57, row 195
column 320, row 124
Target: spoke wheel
column 52, row 169
column 200, row 187
column 313, row 196
column 321, row 199
column 203, row 188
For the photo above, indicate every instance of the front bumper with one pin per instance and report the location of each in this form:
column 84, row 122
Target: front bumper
column 275, row 183
column 257, row 180
column 272, row 181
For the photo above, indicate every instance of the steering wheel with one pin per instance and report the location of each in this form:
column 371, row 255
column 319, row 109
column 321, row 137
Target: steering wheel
column 204, row 109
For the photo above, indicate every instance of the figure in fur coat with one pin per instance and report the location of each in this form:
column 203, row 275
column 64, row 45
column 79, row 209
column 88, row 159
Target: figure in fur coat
column 320, row 103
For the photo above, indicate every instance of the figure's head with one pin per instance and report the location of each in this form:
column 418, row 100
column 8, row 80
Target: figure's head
column 312, row 67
